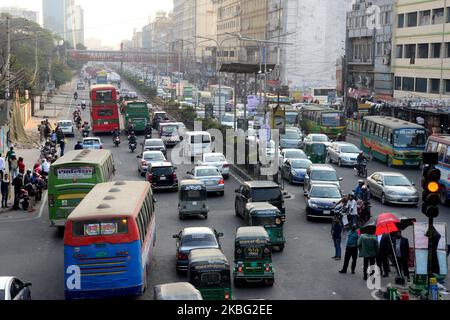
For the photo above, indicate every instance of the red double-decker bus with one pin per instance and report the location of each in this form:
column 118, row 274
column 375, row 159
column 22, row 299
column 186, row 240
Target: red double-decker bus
column 104, row 108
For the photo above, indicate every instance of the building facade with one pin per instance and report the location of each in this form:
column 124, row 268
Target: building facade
column 421, row 49
column 228, row 21
column 21, row 13
column 254, row 25
column 54, row 16
column 319, row 40
column 147, row 37
column 79, row 25
column 368, row 48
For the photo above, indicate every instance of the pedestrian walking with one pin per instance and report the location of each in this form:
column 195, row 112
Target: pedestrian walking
column 62, row 146
column 53, row 137
column 352, row 208
column 337, row 230
column 18, row 185
column 2, row 166
column 21, row 166
column 45, row 167
column 5, row 185
column 9, row 154
column 14, row 167
column 351, row 250
column 368, row 250
column 47, row 130
column 401, row 248
column 384, row 253
column 41, row 129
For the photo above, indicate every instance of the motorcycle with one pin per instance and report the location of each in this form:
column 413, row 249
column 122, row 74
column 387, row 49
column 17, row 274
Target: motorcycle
column 361, row 169
column 132, row 146
column 363, row 211
column 85, row 133
column 116, row 141
column 24, row 199
column 83, row 106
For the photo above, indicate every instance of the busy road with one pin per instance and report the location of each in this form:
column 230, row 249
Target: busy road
column 33, row 250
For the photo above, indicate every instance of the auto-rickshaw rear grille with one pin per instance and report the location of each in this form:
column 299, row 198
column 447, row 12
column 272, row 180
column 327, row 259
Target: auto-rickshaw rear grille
column 252, row 267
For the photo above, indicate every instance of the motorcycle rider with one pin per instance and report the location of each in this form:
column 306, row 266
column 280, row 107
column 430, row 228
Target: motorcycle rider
column 148, row 130
column 361, row 157
column 132, row 138
column 361, row 183
column 364, row 196
column 75, row 95
column 116, row 134
column 83, row 104
column 130, row 128
column 78, row 146
column 86, row 127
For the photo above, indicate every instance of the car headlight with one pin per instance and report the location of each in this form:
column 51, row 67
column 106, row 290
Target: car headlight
column 392, row 193
column 398, row 155
column 313, row 205
column 293, row 172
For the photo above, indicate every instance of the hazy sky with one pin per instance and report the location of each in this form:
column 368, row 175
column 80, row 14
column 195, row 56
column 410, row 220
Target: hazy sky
column 108, row 20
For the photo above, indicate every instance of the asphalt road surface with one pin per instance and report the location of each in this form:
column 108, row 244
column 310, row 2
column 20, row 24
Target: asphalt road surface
column 33, row 251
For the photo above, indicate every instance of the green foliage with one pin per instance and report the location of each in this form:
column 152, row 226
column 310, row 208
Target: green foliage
column 60, row 73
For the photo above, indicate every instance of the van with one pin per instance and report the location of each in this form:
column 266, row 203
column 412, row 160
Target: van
column 197, row 143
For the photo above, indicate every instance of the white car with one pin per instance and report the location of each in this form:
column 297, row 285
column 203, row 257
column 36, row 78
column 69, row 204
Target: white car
column 149, row 158
column 343, row 153
column 66, row 127
column 290, row 154
column 92, row 143
column 318, row 137
column 228, row 120
column 217, row 160
column 12, row 288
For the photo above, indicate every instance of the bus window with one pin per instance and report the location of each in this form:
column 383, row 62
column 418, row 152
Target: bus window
column 386, row 134
column 364, row 126
column 442, row 148
column 432, row 146
column 103, row 95
column 371, row 128
column 391, row 136
column 447, row 156
column 105, row 112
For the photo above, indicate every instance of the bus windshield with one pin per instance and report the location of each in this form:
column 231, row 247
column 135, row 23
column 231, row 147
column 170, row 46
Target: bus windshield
column 332, row 119
column 103, row 95
column 291, row 118
column 410, row 138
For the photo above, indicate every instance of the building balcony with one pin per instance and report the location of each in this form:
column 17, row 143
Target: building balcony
column 363, row 62
column 428, row 31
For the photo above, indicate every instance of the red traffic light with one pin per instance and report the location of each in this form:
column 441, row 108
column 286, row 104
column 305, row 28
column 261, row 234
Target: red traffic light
column 433, row 175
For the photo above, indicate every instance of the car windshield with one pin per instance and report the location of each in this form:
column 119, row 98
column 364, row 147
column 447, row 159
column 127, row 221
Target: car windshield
column 291, row 118
column 410, row 138
column 318, row 149
column 332, row 119
column 300, row 164
column 154, row 157
column 299, row 154
column 324, row 175
column 65, row 124
column 91, row 142
column 266, row 194
column 291, row 134
column 169, row 129
column 325, row 192
column 349, row 149
column 199, row 240
column 215, row 158
column 161, row 171
column 227, row 118
column 396, row 181
column 154, row 143
column 207, row 172
column 320, row 138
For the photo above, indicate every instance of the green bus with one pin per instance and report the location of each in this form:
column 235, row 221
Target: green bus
column 322, row 119
column 393, row 141
column 72, row 176
column 137, row 113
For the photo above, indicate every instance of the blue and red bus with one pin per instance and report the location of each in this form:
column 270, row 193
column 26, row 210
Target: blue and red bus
column 109, row 241
column 440, row 143
column 104, row 109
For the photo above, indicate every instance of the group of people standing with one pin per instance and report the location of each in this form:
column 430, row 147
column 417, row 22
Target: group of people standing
column 56, row 136
column 375, row 250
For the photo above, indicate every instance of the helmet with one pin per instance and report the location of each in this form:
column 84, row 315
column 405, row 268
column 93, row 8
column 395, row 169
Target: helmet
column 132, row 133
column 361, row 182
column 361, row 152
column 29, row 171
column 364, row 187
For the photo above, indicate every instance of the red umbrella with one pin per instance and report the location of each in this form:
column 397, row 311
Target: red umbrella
column 386, row 223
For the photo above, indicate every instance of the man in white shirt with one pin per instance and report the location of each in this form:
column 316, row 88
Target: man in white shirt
column 45, row 167
column 352, row 209
column 2, row 166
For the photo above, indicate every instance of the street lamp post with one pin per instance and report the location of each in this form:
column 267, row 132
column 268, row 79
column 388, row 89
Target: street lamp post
column 219, row 49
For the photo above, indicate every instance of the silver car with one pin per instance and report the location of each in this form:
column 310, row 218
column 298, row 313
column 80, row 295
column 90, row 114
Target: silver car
column 317, row 137
column 12, row 288
column 290, row 154
column 321, row 174
column 291, row 139
column 149, row 157
column 343, row 153
column 210, row 176
column 392, row 187
column 217, row 160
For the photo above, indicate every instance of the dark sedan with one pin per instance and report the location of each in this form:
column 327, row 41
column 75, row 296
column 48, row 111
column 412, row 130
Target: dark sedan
column 194, row 238
column 321, row 201
column 294, row 170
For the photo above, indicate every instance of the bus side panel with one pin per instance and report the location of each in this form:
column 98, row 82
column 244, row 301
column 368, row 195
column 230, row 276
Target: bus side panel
column 106, row 270
column 149, row 244
column 378, row 150
column 445, row 178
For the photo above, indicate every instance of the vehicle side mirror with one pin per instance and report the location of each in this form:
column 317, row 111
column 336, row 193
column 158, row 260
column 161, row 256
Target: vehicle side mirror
column 220, row 234
column 340, row 179
column 413, row 184
column 181, row 138
column 188, row 172
column 213, row 138
column 380, row 183
column 236, row 191
column 138, row 157
column 28, row 284
column 309, row 157
column 250, row 200
column 175, row 236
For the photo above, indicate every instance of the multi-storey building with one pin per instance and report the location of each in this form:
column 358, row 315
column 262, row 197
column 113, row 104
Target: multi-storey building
column 254, row 25
column 161, row 34
column 228, row 21
column 421, row 49
column 21, row 13
column 79, row 25
column 53, row 12
column 147, row 37
column 368, row 48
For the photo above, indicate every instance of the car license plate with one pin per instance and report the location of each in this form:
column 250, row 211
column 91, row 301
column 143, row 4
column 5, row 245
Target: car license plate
column 194, row 203
column 326, row 212
column 254, row 264
column 405, row 200
column 209, row 183
column 162, row 178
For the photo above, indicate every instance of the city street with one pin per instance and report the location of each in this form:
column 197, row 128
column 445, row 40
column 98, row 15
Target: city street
column 33, row 251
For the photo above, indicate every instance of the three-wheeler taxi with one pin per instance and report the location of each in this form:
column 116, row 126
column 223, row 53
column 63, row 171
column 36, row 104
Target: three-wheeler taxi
column 176, row 291
column 192, row 199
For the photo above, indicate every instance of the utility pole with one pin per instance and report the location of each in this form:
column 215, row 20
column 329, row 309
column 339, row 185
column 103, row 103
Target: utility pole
column 8, row 59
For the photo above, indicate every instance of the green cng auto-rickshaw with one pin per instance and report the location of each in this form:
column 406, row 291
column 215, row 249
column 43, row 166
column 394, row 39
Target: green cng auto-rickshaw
column 270, row 217
column 316, row 152
column 252, row 256
column 209, row 271
column 192, row 199
column 176, row 291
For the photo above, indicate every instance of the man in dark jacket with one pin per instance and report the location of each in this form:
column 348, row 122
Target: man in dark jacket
column 336, row 234
column 384, row 253
column 368, row 249
column 401, row 249
column 18, row 184
column 351, row 251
